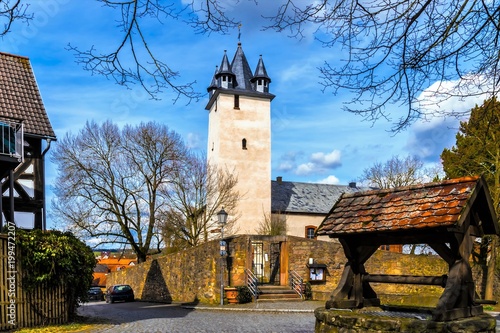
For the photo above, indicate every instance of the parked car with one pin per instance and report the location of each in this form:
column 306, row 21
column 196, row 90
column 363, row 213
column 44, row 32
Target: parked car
column 95, row 293
column 119, row 292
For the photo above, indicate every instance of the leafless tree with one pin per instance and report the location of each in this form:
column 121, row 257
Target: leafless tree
column 394, row 172
column 395, row 49
column 196, row 193
column 397, row 172
column 273, row 225
column 109, row 180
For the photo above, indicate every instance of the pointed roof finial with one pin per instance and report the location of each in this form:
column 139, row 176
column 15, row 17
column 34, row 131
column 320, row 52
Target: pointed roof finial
column 239, row 32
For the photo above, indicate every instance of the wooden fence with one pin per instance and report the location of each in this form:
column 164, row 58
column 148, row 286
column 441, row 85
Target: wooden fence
column 19, row 308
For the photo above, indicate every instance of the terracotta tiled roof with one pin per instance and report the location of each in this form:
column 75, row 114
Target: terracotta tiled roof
column 433, row 205
column 20, row 98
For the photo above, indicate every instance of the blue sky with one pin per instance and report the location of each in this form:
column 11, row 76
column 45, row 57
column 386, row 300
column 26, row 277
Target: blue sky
column 313, row 140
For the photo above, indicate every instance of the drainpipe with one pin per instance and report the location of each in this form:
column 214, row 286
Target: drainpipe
column 44, row 204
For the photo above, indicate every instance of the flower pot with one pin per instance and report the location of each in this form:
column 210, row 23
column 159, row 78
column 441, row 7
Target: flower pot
column 231, row 295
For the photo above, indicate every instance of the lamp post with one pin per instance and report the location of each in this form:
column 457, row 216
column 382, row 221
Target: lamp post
column 222, row 219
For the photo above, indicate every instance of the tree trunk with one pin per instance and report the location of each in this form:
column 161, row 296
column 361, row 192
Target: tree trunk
column 490, row 276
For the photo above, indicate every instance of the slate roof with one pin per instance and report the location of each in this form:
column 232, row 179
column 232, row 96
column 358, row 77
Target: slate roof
column 260, row 71
column 433, row 205
column 240, row 70
column 20, row 98
column 296, row 197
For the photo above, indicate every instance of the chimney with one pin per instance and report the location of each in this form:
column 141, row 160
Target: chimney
column 279, row 179
column 352, row 184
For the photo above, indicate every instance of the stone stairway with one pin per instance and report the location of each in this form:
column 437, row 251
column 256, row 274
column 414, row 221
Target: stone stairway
column 271, row 293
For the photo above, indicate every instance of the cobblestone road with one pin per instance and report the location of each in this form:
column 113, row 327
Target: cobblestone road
column 143, row 317
column 139, row 317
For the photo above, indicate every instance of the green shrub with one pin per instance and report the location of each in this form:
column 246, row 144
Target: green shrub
column 244, row 295
column 308, row 291
column 52, row 258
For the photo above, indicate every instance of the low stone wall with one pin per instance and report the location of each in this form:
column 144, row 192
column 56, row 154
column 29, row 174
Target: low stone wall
column 185, row 276
column 338, row 321
column 329, row 253
column 194, row 274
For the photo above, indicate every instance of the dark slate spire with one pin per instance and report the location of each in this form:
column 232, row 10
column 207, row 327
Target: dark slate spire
column 213, row 85
column 238, row 77
column 225, row 76
column 242, row 70
column 260, row 79
column 225, row 68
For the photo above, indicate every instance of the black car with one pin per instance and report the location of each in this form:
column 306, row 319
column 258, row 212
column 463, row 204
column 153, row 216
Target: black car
column 119, row 292
column 95, row 293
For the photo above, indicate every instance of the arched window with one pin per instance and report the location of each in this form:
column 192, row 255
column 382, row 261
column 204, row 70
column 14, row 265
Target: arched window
column 310, row 230
column 244, row 144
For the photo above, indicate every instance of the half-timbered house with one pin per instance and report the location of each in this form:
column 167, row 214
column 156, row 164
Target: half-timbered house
column 26, row 135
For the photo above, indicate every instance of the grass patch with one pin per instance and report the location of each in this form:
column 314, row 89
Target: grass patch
column 80, row 324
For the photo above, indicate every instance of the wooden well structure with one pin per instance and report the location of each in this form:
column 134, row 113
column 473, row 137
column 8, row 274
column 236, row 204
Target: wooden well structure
column 446, row 215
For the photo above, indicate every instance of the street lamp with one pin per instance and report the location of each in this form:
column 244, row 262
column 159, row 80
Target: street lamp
column 222, row 219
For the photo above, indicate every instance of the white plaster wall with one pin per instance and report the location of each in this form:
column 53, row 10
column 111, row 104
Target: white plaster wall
column 227, row 127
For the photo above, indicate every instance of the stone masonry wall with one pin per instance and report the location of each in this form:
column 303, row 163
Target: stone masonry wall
column 185, row 276
column 188, row 276
column 194, row 274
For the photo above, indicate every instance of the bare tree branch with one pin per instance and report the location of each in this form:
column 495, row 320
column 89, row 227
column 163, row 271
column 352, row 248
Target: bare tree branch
column 209, row 16
column 396, row 49
column 197, row 192
column 144, row 67
column 11, row 11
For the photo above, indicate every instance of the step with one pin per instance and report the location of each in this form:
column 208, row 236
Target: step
column 280, row 300
column 269, row 293
column 278, row 296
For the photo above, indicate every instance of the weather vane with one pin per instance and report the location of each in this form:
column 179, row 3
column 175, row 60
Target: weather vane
column 239, row 32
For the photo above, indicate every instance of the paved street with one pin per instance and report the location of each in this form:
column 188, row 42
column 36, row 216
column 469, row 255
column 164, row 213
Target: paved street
column 145, row 317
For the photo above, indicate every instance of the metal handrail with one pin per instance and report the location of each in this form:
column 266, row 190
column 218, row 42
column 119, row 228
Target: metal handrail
column 251, row 281
column 296, row 282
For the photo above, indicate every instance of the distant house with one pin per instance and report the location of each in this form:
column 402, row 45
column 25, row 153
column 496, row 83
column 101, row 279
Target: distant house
column 305, row 205
column 106, row 265
column 24, row 126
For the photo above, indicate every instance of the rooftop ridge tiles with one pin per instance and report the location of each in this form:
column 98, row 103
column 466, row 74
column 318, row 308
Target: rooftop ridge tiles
column 13, row 55
column 466, row 179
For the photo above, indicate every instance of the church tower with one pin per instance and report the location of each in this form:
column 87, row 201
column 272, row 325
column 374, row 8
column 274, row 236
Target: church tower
column 239, row 135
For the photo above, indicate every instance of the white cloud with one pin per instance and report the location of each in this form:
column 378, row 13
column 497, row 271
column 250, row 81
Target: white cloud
column 329, row 180
column 286, row 166
column 306, row 169
column 329, row 160
column 440, row 120
column 319, row 162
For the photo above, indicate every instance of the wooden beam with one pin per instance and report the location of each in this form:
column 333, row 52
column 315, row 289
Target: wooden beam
column 407, row 279
column 444, row 252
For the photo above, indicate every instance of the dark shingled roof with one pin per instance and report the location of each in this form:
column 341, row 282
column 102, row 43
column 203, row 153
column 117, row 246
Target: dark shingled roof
column 434, row 205
column 242, row 70
column 295, row 197
column 20, row 98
